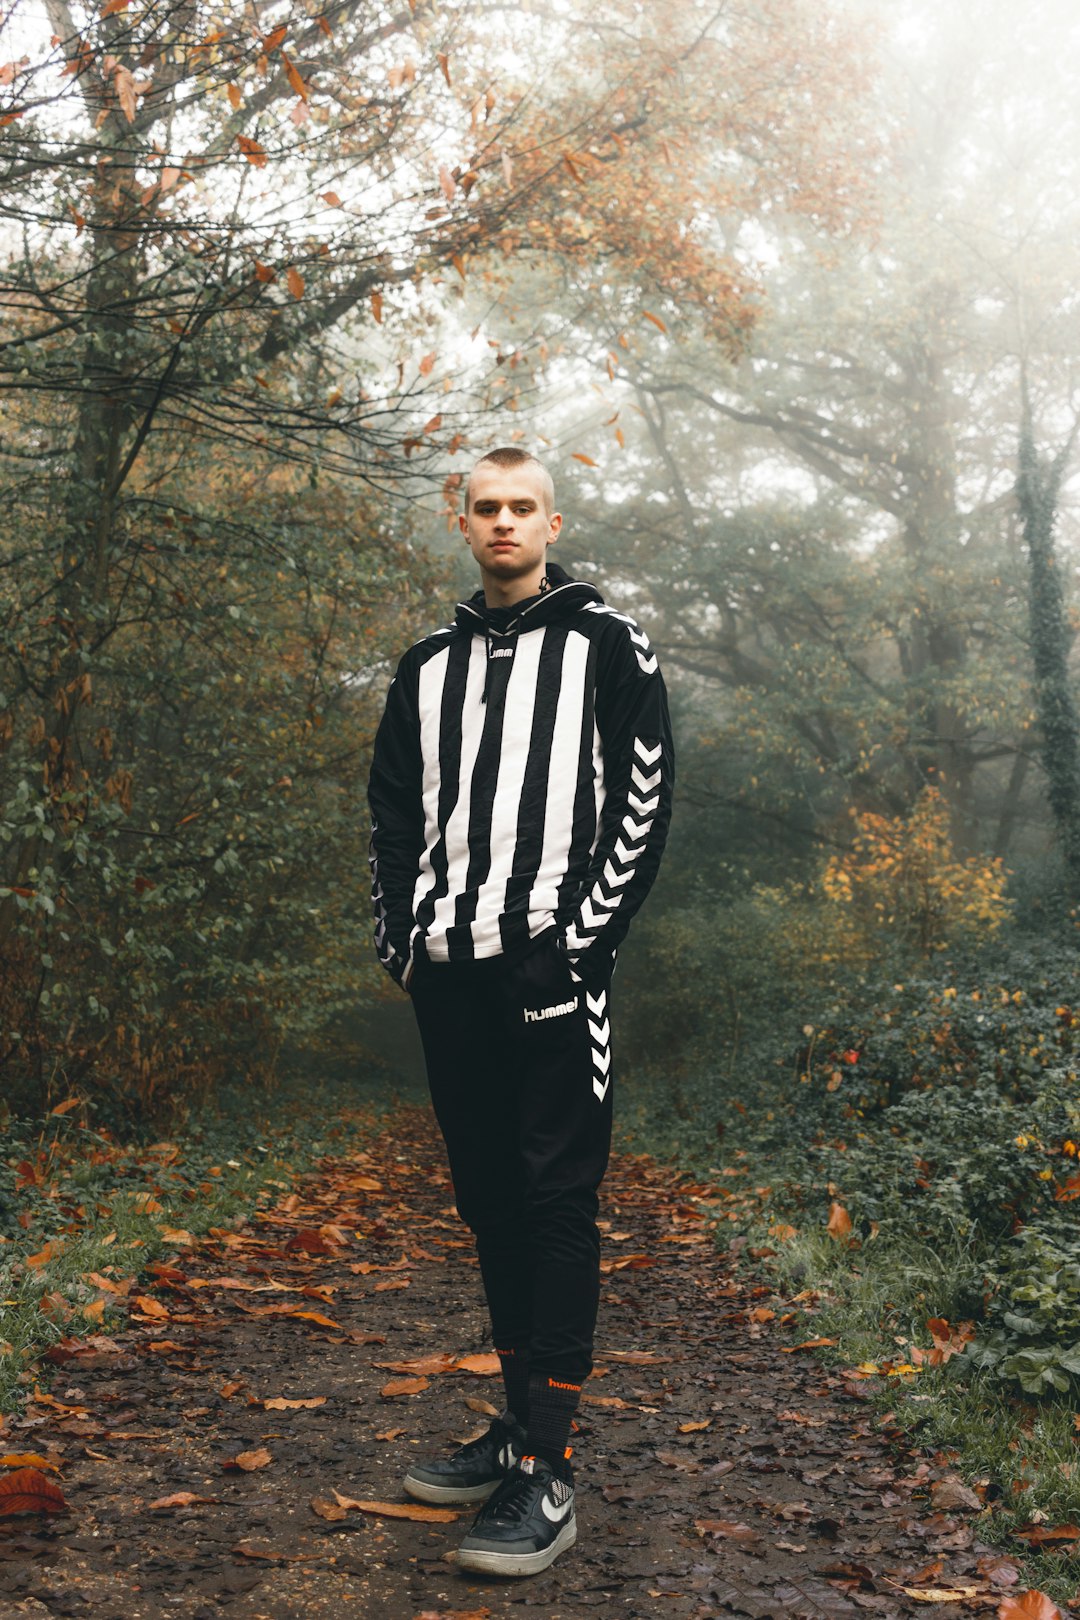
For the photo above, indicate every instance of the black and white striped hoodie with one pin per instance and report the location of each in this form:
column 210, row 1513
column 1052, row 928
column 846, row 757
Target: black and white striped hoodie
column 521, row 779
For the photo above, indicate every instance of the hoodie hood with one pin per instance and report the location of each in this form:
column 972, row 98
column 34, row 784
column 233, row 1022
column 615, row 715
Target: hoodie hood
column 562, row 596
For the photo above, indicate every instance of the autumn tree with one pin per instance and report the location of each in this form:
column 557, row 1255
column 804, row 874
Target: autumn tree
column 227, row 231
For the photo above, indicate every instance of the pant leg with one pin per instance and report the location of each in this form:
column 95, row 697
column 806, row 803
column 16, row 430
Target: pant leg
column 475, row 1101
column 558, row 1033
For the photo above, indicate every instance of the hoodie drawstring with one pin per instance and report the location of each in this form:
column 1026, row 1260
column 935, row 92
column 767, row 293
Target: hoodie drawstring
column 487, row 662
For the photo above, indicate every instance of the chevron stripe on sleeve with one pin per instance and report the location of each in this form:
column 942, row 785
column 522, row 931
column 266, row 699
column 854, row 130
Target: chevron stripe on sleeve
column 638, row 776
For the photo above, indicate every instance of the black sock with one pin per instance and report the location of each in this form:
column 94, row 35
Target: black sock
column 515, row 1374
column 552, row 1404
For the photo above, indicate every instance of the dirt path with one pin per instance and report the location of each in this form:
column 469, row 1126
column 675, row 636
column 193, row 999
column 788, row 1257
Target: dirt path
column 717, row 1474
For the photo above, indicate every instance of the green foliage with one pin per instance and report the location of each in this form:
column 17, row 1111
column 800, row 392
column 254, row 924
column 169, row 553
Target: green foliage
column 1032, row 1333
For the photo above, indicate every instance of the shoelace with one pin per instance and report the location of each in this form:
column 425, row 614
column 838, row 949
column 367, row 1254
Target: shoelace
column 511, row 1499
column 495, row 1437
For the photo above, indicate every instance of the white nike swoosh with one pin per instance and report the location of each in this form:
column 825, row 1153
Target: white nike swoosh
column 553, row 1513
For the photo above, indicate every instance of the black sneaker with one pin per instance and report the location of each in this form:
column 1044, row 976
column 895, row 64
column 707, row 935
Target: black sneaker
column 473, row 1471
column 526, row 1524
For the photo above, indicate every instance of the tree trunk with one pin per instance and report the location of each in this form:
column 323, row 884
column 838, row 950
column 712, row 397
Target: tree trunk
column 1037, row 486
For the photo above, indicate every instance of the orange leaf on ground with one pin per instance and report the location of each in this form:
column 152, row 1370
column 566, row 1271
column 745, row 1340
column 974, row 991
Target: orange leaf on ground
column 637, row 1358
column 399, row 1510
column 389, row 1283
column 839, row 1224
column 28, row 1490
column 800, row 1417
column 26, row 1459
column 249, row 1461
column 692, row 1428
column 725, row 1527
column 442, row 1362
column 41, row 1399
column 1036, row 1534
column 484, row 1366
column 328, row 1510
column 279, row 1403
column 1028, row 1606
column 150, row 1307
column 180, row 1499
column 807, row 1344
column 475, row 1404
column 403, row 1386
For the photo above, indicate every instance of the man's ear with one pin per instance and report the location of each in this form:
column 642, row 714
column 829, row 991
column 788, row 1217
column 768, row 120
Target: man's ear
column 463, row 525
column 554, row 525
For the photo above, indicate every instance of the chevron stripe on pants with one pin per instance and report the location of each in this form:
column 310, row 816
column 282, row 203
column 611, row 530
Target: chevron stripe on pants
column 519, row 1066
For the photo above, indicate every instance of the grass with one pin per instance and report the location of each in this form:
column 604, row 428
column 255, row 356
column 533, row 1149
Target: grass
column 875, row 1301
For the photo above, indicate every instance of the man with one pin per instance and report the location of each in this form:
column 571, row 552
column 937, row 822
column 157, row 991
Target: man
column 520, row 795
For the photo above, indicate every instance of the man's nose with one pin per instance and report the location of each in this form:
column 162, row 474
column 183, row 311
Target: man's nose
column 505, row 519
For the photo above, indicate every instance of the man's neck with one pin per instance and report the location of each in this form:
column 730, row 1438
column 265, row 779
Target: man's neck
column 508, row 592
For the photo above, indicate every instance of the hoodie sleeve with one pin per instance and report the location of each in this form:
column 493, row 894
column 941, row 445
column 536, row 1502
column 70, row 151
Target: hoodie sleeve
column 395, row 794
column 639, row 773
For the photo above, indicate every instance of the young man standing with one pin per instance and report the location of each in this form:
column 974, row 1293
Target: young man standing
column 520, row 795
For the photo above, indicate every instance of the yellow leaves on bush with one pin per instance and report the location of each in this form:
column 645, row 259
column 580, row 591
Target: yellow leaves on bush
column 901, row 873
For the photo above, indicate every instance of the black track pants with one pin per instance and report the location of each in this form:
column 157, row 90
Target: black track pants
column 518, row 1059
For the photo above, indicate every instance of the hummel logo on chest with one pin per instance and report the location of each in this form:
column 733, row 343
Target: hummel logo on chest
column 560, row 1009
column 502, row 652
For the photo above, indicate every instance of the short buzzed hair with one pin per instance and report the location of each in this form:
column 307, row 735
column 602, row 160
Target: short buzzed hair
column 509, row 455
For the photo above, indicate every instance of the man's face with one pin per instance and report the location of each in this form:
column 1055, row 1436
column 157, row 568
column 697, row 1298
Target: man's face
column 506, row 526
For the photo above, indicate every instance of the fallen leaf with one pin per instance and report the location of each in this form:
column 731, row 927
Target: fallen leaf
column 149, row 1307
column 637, row 1358
column 800, row 1417
column 807, row 1344
column 692, row 1428
column 1036, row 1534
column 839, row 1223
column 442, row 1362
column 390, row 1434
column 279, row 1403
column 28, row 1490
column 389, row 1283
column 1030, row 1605
column 403, row 1386
column 726, row 1527
column 951, row 1495
column 249, row 1460
column 398, row 1510
column 180, row 1499
column 484, row 1366
column 475, row 1404
column 328, row 1510
column 27, row 1459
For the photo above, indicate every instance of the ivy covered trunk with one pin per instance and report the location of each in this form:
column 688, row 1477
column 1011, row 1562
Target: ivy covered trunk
column 1037, row 487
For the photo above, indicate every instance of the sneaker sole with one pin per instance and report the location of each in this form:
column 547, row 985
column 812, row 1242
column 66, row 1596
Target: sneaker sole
column 485, row 1562
column 423, row 1491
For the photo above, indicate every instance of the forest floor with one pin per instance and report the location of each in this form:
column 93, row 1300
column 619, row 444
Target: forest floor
column 237, row 1445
